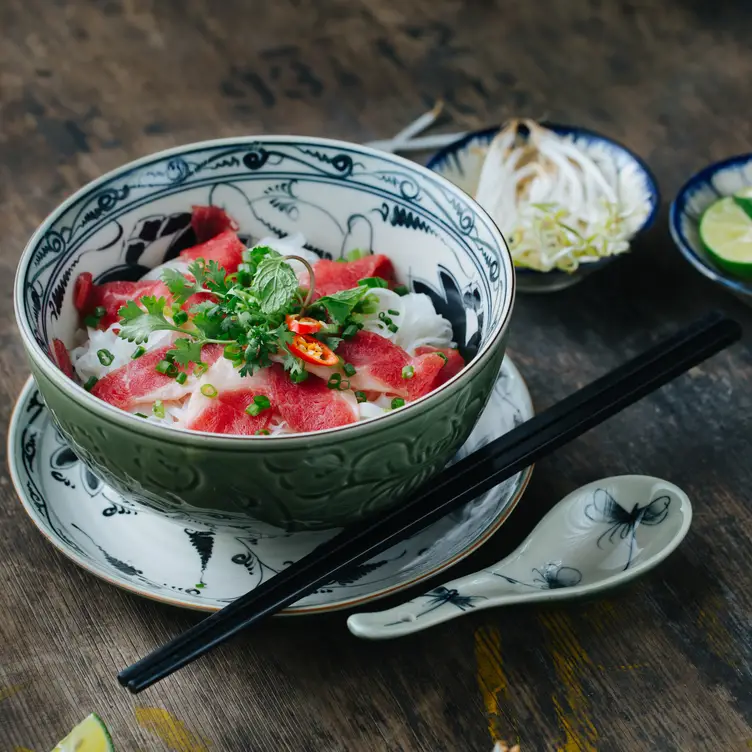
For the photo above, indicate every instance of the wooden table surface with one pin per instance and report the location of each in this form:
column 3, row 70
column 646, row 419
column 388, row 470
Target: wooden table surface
column 664, row 665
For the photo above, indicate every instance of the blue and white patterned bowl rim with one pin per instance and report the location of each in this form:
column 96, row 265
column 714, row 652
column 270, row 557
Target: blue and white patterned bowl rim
column 329, row 160
column 486, row 135
column 679, row 216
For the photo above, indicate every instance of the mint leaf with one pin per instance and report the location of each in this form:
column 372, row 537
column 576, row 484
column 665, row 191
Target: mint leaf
column 341, row 304
column 373, row 282
column 355, row 254
column 275, row 285
column 186, row 351
column 136, row 324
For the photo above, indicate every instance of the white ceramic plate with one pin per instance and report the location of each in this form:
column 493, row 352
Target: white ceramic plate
column 204, row 568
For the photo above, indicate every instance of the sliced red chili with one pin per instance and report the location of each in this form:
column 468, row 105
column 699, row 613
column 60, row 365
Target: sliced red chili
column 302, row 324
column 311, row 350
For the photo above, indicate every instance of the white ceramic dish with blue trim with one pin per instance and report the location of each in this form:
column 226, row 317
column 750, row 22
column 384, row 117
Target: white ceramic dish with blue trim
column 187, row 564
column 696, row 195
column 462, row 160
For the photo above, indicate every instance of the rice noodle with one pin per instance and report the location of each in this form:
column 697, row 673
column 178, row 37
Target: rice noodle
column 418, row 325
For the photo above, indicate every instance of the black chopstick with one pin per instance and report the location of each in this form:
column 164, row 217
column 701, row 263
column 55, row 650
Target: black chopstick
column 472, row 476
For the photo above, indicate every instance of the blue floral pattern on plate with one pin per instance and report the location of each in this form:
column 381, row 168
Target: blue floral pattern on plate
column 204, row 567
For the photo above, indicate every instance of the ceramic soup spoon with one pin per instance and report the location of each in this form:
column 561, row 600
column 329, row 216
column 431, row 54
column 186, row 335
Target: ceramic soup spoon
column 600, row 536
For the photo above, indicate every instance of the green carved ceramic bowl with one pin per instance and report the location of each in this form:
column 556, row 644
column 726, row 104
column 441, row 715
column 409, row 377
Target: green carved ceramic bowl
column 341, row 196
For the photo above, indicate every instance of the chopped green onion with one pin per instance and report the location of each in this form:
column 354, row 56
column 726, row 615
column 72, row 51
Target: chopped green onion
column 92, row 322
column 262, row 401
column 89, row 385
column 383, row 317
column 350, row 331
column 182, row 377
column 393, row 328
column 138, row 352
column 441, row 355
column 393, row 313
column 361, row 397
column 209, row 390
column 105, row 357
column 158, row 409
column 401, row 290
column 140, row 415
column 180, row 318
column 408, row 372
column 167, row 368
column 263, row 432
column 397, row 402
column 334, row 381
column 349, row 369
column 372, row 282
column 200, row 369
column 233, row 352
column 100, row 311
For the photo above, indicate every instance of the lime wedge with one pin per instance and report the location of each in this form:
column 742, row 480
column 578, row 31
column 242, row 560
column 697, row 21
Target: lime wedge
column 743, row 199
column 726, row 233
column 90, row 735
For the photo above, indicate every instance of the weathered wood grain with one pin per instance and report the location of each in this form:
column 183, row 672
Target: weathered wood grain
column 664, row 665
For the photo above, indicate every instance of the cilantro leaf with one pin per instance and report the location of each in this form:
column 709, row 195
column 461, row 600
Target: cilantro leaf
column 295, row 366
column 341, row 304
column 136, row 324
column 275, row 285
column 178, row 285
column 186, row 351
column 215, row 277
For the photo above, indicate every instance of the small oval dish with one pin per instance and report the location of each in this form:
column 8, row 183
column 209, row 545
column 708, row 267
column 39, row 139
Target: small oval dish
column 461, row 162
column 703, row 189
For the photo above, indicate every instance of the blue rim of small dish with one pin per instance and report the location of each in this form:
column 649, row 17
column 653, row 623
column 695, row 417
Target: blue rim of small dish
column 450, row 150
column 678, row 208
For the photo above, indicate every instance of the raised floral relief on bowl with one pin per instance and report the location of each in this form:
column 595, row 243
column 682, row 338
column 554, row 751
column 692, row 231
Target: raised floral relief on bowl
column 341, row 197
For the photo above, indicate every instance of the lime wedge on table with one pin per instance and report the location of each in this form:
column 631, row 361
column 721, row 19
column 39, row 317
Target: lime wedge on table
column 726, row 233
column 743, row 198
column 90, row 735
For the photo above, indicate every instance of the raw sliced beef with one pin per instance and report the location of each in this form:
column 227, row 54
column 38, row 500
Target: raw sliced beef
column 311, row 406
column 378, row 363
column 62, row 358
column 226, row 249
column 454, row 364
column 334, row 276
column 226, row 413
column 209, row 221
column 138, row 382
column 112, row 296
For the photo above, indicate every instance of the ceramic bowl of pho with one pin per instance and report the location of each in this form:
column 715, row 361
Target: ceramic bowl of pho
column 568, row 200
column 294, row 330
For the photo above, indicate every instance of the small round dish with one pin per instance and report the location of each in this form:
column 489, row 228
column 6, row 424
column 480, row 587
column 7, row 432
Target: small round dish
column 462, row 160
column 696, row 195
column 186, row 564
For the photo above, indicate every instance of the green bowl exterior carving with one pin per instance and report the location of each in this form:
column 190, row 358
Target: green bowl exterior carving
column 341, row 196
column 323, row 481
